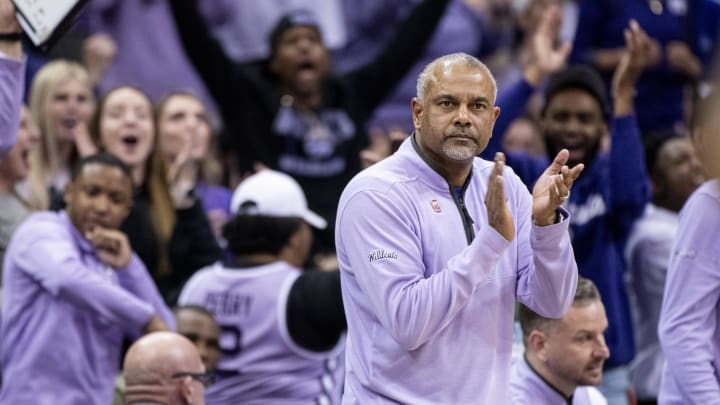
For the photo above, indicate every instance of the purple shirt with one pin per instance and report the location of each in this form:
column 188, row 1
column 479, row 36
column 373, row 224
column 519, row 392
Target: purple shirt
column 12, row 77
column 430, row 317
column 647, row 254
column 689, row 328
column 149, row 53
column 527, row 387
column 65, row 314
column 260, row 363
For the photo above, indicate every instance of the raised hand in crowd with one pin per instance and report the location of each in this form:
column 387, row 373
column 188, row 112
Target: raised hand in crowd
column 181, row 177
column 98, row 54
column 548, row 54
column 637, row 56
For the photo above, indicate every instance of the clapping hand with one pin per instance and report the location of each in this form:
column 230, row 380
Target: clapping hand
column 498, row 212
column 553, row 188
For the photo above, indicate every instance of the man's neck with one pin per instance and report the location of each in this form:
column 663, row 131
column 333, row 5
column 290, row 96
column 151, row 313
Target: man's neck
column 564, row 389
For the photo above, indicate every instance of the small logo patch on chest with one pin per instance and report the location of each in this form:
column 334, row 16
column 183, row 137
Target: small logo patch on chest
column 435, row 205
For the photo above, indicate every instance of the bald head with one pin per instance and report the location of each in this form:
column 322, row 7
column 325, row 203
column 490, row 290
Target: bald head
column 150, row 364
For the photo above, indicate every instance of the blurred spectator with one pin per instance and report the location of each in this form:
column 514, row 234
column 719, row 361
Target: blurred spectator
column 290, row 112
column 612, row 191
column 167, row 225
column 164, row 368
column 523, row 136
column 675, row 172
column 73, row 291
column 563, row 357
column 14, row 167
column 688, row 329
column 185, row 134
column 673, row 59
column 135, row 43
column 198, row 324
column 243, row 27
column 282, row 328
column 61, row 102
column 464, row 27
column 12, row 69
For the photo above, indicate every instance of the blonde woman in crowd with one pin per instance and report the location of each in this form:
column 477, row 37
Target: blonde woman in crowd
column 14, row 167
column 167, row 226
column 61, row 102
column 187, row 144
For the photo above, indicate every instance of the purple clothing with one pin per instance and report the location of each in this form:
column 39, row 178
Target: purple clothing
column 647, row 254
column 689, row 328
column 260, row 363
column 527, row 387
column 430, row 314
column 214, row 197
column 149, row 53
column 65, row 314
column 12, row 77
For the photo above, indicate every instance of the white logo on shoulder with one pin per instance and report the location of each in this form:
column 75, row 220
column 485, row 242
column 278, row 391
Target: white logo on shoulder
column 380, row 254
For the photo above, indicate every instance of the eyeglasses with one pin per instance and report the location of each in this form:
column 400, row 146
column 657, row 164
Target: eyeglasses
column 206, row 379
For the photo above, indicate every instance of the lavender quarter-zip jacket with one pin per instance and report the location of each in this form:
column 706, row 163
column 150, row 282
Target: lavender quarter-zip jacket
column 430, row 315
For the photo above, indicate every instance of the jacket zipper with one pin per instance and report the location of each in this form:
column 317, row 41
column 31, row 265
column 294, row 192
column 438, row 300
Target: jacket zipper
column 462, row 209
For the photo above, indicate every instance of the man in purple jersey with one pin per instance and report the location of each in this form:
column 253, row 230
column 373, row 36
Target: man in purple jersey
column 73, row 291
column 281, row 328
column 12, row 75
column 435, row 245
column 563, row 357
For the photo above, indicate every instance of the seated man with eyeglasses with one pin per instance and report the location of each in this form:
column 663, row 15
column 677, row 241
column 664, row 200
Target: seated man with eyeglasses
column 164, row 368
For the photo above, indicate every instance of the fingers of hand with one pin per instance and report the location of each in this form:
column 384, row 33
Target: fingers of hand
column 561, row 189
column 559, row 161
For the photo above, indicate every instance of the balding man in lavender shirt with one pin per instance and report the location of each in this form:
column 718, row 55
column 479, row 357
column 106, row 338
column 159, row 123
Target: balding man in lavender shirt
column 436, row 245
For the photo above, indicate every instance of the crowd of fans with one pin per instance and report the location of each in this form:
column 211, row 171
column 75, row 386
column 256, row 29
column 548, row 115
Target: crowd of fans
column 188, row 152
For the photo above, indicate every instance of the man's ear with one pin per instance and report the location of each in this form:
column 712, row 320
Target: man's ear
column 537, row 343
column 417, row 111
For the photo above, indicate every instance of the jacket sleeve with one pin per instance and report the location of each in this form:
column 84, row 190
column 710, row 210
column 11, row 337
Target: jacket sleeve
column 193, row 244
column 689, row 314
column 412, row 307
column 377, row 79
column 628, row 186
column 218, row 71
column 48, row 256
column 547, row 271
column 136, row 279
column 12, row 77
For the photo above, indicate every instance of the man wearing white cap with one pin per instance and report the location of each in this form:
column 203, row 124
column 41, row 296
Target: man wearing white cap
column 282, row 328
